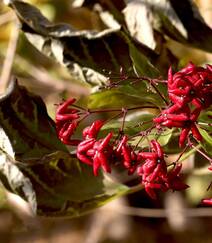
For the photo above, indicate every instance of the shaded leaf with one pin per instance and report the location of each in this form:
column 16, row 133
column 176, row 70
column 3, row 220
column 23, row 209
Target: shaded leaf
column 66, row 187
column 14, row 180
column 140, row 25
column 85, row 53
column 63, row 186
column 24, row 119
column 107, row 4
column 111, row 7
column 182, row 21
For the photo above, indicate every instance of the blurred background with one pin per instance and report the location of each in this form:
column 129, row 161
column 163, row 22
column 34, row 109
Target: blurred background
column 175, row 217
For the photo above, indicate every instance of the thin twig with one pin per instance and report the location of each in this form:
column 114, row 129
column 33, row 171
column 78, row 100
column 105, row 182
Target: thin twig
column 6, row 17
column 202, row 153
column 8, row 62
column 162, row 213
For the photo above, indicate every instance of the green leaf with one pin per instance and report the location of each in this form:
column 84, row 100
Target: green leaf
column 206, row 136
column 207, row 142
column 162, row 138
column 205, row 119
column 113, row 99
column 132, row 125
column 142, row 64
column 125, row 96
column 24, row 119
column 65, row 187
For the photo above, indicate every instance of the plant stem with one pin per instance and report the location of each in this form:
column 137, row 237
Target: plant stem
column 202, row 153
column 128, row 109
column 136, row 188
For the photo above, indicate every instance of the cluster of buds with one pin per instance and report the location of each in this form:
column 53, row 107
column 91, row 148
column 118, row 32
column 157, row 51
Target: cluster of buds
column 150, row 167
column 91, row 151
column 190, row 91
column 67, row 122
column 154, row 173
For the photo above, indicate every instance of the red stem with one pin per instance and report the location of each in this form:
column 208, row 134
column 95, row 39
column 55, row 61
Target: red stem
column 202, row 153
column 129, row 109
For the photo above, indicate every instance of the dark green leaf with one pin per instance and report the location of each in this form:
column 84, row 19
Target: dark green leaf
column 141, row 63
column 182, row 21
column 65, row 187
column 24, row 119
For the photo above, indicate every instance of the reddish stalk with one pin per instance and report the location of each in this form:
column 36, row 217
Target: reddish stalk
column 201, row 152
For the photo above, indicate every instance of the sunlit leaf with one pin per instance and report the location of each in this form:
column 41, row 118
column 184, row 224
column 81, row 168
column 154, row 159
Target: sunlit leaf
column 125, row 96
column 162, row 138
column 207, row 140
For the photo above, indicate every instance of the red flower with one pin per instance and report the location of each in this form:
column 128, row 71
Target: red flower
column 92, row 131
column 129, row 158
column 207, row 201
column 191, row 84
column 173, row 179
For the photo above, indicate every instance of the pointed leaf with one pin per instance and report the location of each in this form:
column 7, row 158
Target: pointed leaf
column 207, row 141
column 87, row 54
column 125, row 96
column 15, row 181
column 24, row 119
column 65, row 187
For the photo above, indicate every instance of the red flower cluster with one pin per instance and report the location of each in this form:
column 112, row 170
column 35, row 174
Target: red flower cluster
column 149, row 166
column 190, row 91
column 95, row 152
column 66, row 122
column 154, row 173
